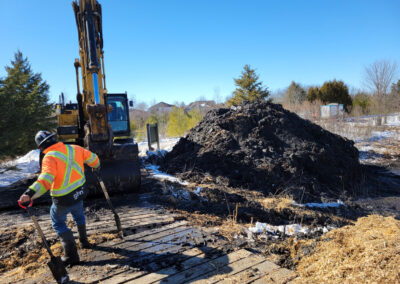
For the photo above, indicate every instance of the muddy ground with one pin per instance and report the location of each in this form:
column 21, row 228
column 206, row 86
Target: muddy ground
column 228, row 210
column 223, row 211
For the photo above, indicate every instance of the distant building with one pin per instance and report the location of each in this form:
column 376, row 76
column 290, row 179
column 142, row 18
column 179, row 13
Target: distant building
column 161, row 108
column 203, row 106
column 332, row 110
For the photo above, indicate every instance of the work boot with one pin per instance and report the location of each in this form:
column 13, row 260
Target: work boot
column 71, row 256
column 83, row 237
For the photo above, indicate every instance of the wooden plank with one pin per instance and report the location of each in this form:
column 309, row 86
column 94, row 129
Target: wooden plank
column 176, row 258
column 126, row 221
column 193, row 257
column 134, row 245
column 45, row 224
column 252, row 273
column 123, row 213
column 203, row 268
column 154, row 234
column 279, row 276
column 127, row 250
column 228, row 270
column 143, row 253
column 44, row 219
column 136, row 240
column 136, row 225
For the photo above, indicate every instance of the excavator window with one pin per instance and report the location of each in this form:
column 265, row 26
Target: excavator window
column 118, row 117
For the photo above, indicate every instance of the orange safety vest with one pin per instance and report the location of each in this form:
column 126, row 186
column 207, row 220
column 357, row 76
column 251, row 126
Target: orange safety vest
column 63, row 170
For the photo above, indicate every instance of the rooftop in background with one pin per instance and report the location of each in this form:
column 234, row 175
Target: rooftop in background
column 160, row 107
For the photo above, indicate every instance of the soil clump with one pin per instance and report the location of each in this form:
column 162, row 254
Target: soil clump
column 261, row 146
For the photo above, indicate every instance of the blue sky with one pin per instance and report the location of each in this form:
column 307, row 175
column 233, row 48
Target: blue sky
column 183, row 50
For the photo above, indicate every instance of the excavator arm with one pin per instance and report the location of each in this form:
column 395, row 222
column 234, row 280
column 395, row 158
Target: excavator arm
column 98, row 121
column 90, row 37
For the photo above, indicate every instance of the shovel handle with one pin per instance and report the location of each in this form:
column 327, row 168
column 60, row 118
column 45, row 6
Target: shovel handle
column 25, row 205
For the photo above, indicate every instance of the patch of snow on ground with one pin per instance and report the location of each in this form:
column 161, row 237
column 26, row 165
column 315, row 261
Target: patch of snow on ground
column 393, row 120
column 325, row 204
column 26, row 166
column 165, row 144
column 379, row 135
column 163, row 176
column 198, row 190
column 321, row 205
column 289, row 230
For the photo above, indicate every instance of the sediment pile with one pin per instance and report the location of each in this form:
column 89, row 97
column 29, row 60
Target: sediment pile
column 261, row 146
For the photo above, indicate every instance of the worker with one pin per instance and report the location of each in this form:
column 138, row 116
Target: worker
column 62, row 173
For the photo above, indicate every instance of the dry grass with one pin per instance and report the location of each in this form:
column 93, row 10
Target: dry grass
column 368, row 252
column 33, row 263
column 277, row 203
column 230, row 229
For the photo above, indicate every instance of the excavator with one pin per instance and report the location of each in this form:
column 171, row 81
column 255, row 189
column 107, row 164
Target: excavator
column 98, row 120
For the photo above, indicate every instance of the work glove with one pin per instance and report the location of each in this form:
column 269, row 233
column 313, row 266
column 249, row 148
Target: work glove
column 25, row 199
column 27, row 196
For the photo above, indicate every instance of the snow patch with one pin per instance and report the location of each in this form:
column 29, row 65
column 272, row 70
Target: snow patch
column 156, row 173
column 325, row 204
column 198, row 190
column 165, row 144
column 289, row 230
column 19, row 168
column 322, row 205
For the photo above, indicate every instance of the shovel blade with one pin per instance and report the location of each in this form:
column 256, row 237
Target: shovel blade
column 58, row 270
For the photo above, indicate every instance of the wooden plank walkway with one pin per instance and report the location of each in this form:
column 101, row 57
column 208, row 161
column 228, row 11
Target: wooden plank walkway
column 160, row 249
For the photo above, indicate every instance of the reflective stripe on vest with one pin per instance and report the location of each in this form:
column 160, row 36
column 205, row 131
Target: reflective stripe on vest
column 37, row 186
column 91, row 159
column 47, row 177
column 70, row 162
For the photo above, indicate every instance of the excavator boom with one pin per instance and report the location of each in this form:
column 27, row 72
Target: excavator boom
column 98, row 120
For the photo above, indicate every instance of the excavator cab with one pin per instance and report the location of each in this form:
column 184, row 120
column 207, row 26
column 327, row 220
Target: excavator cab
column 118, row 118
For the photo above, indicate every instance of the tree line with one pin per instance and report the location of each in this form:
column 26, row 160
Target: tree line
column 25, row 107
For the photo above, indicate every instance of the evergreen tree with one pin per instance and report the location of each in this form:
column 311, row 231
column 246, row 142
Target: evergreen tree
column 24, row 107
column 331, row 92
column 336, row 92
column 362, row 101
column 248, row 88
column 295, row 94
column 313, row 94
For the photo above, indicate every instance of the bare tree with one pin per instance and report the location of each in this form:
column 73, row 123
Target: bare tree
column 142, row 106
column 217, row 95
column 379, row 76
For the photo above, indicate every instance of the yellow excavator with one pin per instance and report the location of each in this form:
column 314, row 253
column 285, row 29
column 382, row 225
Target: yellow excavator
column 98, row 120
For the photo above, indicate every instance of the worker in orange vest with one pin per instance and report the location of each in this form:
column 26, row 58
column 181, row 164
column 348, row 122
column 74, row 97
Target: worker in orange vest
column 63, row 174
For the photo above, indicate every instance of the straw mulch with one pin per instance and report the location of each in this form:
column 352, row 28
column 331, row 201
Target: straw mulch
column 368, row 252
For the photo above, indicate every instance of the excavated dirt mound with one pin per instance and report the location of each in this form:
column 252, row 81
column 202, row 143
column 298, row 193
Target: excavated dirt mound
column 261, row 146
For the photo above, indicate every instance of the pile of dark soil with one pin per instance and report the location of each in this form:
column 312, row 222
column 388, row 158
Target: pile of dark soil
column 261, row 146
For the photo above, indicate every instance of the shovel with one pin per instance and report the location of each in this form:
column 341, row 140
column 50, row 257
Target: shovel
column 116, row 217
column 55, row 264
